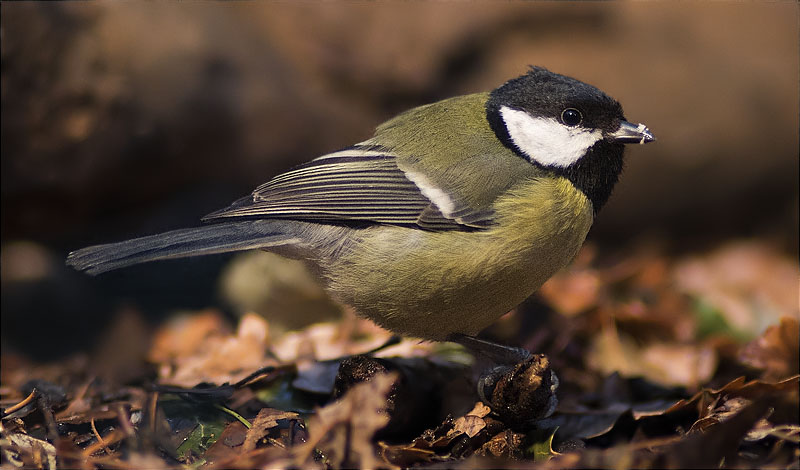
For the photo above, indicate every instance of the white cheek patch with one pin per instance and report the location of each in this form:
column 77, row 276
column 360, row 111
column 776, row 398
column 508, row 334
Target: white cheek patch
column 547, row 141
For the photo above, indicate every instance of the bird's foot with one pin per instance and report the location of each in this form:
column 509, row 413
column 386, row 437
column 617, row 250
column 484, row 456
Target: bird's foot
column 521, row 388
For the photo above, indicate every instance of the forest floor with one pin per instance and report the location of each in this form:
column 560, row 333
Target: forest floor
column 686, row 361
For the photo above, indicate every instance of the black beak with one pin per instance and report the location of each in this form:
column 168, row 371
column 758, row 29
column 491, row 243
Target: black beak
column 629, row 133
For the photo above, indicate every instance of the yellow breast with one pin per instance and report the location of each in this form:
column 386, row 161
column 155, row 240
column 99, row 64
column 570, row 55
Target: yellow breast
column 432, row 284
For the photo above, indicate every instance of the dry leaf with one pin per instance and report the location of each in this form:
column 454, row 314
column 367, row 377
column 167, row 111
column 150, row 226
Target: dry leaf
column 343, row 430
column 749, row 283
column 506, row 444
column 738, row 387
column 184, row 334
column 266, row 419
column 206, row 354
column 472, row 423
column 572, row 292
column 688, row 365
column 25, row 450
column 324, row 341
column 776, row 351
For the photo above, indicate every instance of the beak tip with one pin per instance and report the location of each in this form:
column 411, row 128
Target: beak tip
column 629, row 133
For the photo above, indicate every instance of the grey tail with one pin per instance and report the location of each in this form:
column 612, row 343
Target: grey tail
column 211, row 239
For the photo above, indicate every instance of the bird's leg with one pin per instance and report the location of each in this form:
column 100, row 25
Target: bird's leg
column 503, row 356
column 498, row 353
column 521, row 387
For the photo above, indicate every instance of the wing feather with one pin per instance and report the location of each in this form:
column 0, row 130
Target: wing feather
column 353, row 185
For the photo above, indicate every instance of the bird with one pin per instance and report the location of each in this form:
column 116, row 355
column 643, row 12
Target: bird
column 448, row 217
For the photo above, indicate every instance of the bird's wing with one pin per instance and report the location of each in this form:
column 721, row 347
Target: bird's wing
column 361, row 184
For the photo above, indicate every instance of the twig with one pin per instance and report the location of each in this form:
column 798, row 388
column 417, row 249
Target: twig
column 125, row 421
column 112, row 438
column 20, row 405
column 99, row 437
column 152, row 413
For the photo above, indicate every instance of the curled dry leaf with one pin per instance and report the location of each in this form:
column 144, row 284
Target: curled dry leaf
column 776, row 351
column 325, row 341
column 471, row 423
column 705, row 399
column 506, row 444
column 451, row 440
column 723, row 410
column 720, row 443
column 185, row 334
column 25, row 451
column 343, row 430
column 700, row 450
column 197, row 349
column 266, row 419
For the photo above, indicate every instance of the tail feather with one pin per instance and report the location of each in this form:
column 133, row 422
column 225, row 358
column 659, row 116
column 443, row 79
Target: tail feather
column 211, row 239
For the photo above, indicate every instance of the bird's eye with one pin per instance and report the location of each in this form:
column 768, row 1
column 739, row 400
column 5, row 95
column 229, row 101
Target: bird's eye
column 571, row 117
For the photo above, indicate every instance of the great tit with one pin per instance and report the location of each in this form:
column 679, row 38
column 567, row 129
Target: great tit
column 447, row 218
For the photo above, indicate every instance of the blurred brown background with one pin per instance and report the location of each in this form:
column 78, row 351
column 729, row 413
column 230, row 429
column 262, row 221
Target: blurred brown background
column 122, row 119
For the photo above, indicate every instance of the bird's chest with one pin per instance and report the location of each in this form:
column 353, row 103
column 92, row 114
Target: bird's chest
column 433, row 284
column 541, row 226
